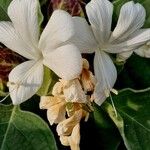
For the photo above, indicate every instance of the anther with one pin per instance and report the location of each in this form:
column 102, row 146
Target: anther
column 114, row 91
column 107, row 92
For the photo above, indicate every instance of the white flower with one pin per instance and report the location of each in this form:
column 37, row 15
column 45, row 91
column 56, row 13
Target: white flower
column 98, row 38
column 143, row 51
column 51, row 49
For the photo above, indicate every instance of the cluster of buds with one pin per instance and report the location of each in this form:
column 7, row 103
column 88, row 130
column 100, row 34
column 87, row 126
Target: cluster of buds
column 71, row 101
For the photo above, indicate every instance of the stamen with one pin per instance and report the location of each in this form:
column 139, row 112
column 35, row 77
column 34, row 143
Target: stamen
column 10, row 84
column 113, row 106
column 107, row 92
column 148, row 44
column 114, row 91
column 16, row 85
column 5, row 98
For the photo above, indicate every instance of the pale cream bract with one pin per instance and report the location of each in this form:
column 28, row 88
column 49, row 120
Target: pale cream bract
column 71, row 101
column 98, row 37
column 51, row 49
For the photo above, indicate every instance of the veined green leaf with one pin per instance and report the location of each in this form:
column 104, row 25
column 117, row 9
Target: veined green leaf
column 133, row 119
column 48, row 82
column 136, row 73
column 21, row 130
column 3, row 10
column 42, row 2
column 106, row 132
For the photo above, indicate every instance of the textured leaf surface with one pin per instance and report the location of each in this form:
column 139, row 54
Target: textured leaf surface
column 133, row 119
column 49, row 80
column 3, row 10
column 106, row 135
column 136, row 73
column 20, row 130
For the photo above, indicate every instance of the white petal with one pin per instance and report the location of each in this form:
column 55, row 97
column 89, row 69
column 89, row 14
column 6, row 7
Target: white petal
column 12, row 40
column 24, row 15
column 137, row 39
column 73, row 92
column 58, row 30
column 144, row 51
column 65, row 61
column 99, row 95
column 25, row 80
column 100, row 16
column 132, row 17
column 121, row 57
column 106, row 75
column 83, row 37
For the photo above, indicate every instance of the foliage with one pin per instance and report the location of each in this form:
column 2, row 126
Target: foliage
column 130, row 129
column 29, row 130
column 133, row 117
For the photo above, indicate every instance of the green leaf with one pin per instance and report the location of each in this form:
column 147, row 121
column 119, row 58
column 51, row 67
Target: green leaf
column 107, row 133
column 136, row 74
column 43, row 2
column 20, row 130
column 2, row 94
column 40, row 17
column 133, row 119
column 48, row 82
column 3, row 10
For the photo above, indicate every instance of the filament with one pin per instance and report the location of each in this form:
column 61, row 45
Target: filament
column 113, row 105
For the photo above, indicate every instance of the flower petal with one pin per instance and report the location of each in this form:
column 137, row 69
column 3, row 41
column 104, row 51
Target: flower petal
column 132, row 17
column 24, row 15
column 65, row 127
column 121, row 57
column 10, row 38
column 25, row 80
column 83, row 37
column 55, row 108
column 144, row 51
column 58, row 30
column 137, row 39
column 73, row 92
column 65, row 61
column 74, row 139
column 100, row 16
column 106, row 75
